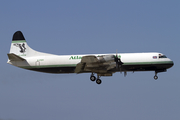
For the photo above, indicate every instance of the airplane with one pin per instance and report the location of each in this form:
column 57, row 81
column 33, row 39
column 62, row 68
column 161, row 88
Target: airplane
column 21, row 55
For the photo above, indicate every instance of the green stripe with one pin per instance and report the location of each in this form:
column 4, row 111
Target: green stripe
column 74, row 65
column 49, row 66
column 20, row 41
column 150, row 63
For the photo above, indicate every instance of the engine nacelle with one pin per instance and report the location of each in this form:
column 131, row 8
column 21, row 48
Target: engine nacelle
column 106, row 58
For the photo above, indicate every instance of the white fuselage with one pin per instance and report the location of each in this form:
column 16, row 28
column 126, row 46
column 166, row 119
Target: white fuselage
column 45, row 61
column 21, row 55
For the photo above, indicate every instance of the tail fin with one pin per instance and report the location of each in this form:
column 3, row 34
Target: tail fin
column 19, row 46
column 20, row 50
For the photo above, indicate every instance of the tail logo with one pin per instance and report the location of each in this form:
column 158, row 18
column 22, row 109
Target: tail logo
column 21, row 46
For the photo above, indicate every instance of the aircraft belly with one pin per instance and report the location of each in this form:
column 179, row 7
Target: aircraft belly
column 54, row 69
column 146, row 67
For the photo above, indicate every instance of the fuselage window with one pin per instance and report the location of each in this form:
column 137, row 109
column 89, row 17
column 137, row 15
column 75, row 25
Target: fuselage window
column 162, row 56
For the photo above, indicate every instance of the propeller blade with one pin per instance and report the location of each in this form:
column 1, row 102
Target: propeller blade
column 125, row 73
column 118, row 61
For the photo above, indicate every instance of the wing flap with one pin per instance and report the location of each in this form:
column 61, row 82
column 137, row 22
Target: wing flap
column 93, row 64
column 86, row 60
column 79, row 67
column 14, row 57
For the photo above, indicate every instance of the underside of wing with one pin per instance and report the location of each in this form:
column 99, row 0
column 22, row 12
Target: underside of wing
column 86, row 60
column 96, row 64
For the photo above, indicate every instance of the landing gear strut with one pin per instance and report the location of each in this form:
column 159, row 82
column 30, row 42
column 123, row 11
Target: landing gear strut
column 156, row 77
column 93, row 78
column 157, row 71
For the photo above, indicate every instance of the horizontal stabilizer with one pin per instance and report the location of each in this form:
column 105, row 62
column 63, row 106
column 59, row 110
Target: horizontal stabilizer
column 14, row 57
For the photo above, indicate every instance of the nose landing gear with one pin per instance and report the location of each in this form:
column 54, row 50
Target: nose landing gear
column 157, row 71
column 155, row 77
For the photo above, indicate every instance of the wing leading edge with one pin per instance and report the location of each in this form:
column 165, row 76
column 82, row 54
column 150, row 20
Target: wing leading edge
column 100, row 65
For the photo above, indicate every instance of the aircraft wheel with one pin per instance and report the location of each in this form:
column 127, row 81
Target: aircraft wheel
column 98, row 81
column 155, row 77
column 92, row 78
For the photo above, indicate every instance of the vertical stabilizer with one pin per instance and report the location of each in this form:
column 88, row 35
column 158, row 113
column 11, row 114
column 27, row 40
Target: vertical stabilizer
column 20, row 47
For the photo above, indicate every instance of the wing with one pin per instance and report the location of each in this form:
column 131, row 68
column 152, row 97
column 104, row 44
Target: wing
column 100, row 64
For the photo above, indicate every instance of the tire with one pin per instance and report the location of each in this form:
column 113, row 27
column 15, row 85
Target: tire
column 98, row 81
column 92, row 78
column 155, row 77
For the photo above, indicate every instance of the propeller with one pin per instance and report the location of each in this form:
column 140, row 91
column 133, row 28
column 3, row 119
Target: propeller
column 118, row 61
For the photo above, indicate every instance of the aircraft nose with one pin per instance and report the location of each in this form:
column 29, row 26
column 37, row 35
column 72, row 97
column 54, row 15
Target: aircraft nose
column 171, row 64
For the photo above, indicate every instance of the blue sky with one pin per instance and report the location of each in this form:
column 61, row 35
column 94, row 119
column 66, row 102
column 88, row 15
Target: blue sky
column 85, row 27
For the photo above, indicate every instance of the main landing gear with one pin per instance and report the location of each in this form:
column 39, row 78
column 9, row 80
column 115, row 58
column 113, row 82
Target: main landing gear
column 93, row 78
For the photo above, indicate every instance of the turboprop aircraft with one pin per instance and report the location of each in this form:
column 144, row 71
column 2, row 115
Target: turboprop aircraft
column 21, row 55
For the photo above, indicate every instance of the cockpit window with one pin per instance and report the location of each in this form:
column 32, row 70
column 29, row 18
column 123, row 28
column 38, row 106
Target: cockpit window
column 162, row 56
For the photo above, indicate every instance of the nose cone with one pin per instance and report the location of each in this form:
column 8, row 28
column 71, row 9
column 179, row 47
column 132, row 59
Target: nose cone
column 170, row 64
